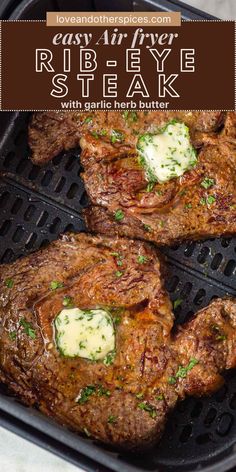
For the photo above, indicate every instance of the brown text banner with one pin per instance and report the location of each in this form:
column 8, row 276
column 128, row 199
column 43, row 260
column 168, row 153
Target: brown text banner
column 191, row 67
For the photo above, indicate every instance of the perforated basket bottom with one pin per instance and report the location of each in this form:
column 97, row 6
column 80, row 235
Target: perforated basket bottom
column 37, row 204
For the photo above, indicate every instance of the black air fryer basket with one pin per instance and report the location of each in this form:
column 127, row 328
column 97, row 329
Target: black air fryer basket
column 36, row 205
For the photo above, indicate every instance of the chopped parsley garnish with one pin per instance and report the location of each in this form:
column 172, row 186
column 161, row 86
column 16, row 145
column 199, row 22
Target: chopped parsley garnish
column 9, row 283
column 119, row 273
column 211, row 199
column 151, row 410
column 150, row 186
column 110, row 357
column 183, row 371
column 133, row 116
column 112, row 419
column 12, row 335
column 94, row 134
column 147, row 228
column 125, row 114
column 118, row 257
column 116, row 136
column 28, row 328
column 208, row 200
column 103, row 132
column 139, row 395
column 221, row 337
column 116, row 320
column 55, row 284
column 130, row 115
column 142, row 259
column 219, row 333
column 103, row 391
column 119, row 215
column 160, row 397
column 171, row 380
column 85, row 393
column 88, row 119
column 207, row 183
column 67, row 301
column 177, row 303
column 188, row 205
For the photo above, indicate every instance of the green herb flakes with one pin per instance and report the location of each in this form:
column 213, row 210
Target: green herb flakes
column 139, row 395
column 208, row 200
column 101, row 391
column 219, row 333
column 116, row 320
column 95, row 134
column 88, row 120
column 85, row 393
column 54, row 285
column 28, row 329
column 119, row 215
column 147, row 228
column 183, row 371
column 110, row 357
column 9, row 283
column 211, row 199
column 171, row 380
column 112, row 419
column 207, row 183
column 131, row 116
column 12, row 335
column 221, row 337
column 150, row 409
column 116, row 136
column 142, row 259
column 68, row 302
column 160, row 397
column 177, row 303
column 150, row 186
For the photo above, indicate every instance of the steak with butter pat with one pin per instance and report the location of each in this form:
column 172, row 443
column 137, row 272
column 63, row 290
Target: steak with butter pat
column 119, row 385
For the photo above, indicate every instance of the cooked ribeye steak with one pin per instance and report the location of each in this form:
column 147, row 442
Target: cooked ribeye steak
column 198, row 205
column 158, row 176
column 86, row 335
column 52, row 132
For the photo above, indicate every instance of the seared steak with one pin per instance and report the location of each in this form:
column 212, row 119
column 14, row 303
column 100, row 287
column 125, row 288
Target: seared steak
column 200, row 203
column 52, row 132
column 125, row 400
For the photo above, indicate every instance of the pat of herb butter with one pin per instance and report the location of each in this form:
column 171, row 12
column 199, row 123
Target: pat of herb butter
column 84, row 333
column 167, row 154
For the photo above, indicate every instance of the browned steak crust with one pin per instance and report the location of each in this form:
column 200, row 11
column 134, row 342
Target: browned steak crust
column 152, row 368
column 52, row 132
column 178, row 210
column 115, row 180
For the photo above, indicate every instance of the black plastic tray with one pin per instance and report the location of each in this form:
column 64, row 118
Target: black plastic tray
column 36, row 204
